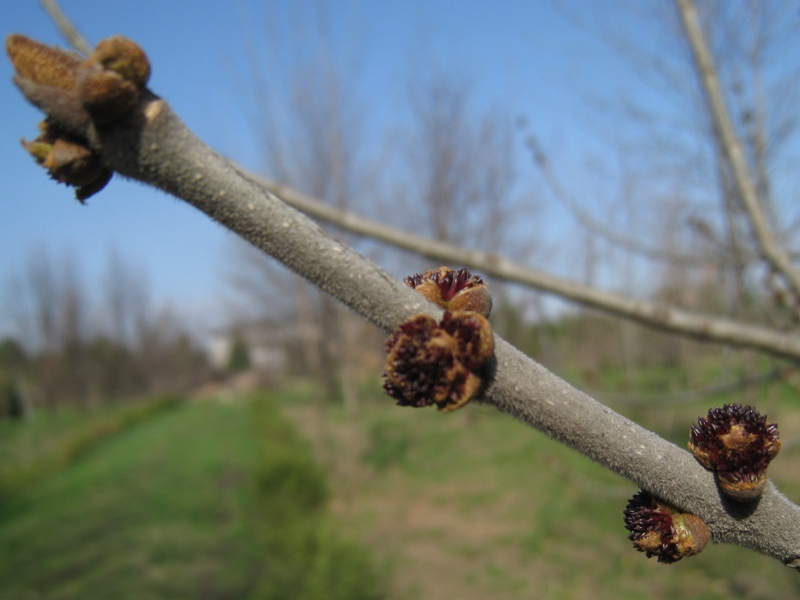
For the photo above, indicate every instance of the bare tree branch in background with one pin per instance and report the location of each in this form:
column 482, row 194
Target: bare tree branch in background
column 678, row 155
column 439, row 155
column 732, row 147
column 65, row 26
column 667, row 318
column 39, row 299
column 126, row 302
column 597, row 227
column 44, row 301
column 310, row 126
column 94, row 344
column 464, row 175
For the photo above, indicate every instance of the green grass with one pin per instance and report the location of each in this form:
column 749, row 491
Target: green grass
column 183, row 506
column 305, row 558
column 30, row 450
column 225, row 501
column 505, row 512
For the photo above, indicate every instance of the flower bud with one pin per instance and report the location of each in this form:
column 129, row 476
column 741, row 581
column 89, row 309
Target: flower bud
column 438, row 363
column 68, row 160
column 736, row 443
column 659, row 529
column 124, row 57
column 453, row 290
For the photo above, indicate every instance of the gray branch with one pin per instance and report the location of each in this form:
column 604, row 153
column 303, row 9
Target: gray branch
column 660, row 316
column 155, row 147
column 731, row 146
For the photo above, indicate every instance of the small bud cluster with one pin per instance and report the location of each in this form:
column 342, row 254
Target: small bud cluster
column 659, row 529
column 76, row 94
column 444, row 363
column 438, row 363
column 736, row 443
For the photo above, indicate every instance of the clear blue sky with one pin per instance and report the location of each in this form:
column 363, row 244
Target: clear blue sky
column 512, row 50
column 518, row 54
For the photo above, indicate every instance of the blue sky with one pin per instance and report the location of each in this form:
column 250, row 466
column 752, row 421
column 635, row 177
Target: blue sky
column 511, row 50
column 520, row 55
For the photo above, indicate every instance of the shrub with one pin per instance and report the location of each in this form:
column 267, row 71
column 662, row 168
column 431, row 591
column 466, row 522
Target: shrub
column 304, row 557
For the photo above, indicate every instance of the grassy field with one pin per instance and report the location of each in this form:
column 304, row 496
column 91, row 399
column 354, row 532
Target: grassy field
column 30, row 450
column 199, row 502
column 474, row 505
column 213, row 500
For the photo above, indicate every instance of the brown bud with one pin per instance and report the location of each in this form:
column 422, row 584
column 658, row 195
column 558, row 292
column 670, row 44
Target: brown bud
column 473, row 334
column 74, row 93
column 105, row 87
column 659, row 529
column 47, row 77
column 73, row 163
column 736, row 443
column 69, row 161
column 438, row 363
column 111, row 80
column 124, row 57
column 453, row 290
column 41, row 64
column 105, row 95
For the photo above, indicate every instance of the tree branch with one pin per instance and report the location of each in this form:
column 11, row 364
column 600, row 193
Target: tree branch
column 152, row 145
column 732, row 148
column 594, row 226
column 65, row 26
column 660, row 316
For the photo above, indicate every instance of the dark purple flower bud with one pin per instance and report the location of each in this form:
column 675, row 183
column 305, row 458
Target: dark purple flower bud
column 659, row 529
column 438, row 363
column 736, row 443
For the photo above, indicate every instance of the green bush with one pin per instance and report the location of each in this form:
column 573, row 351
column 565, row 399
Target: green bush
column 239, row 357
column 304, row 558
column 292, row 482
column 390, row 443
